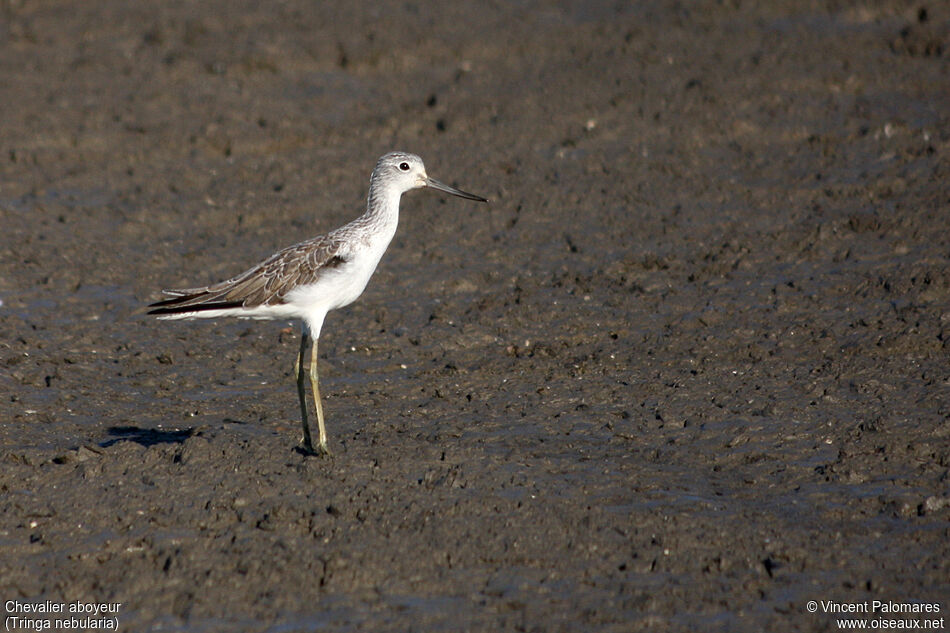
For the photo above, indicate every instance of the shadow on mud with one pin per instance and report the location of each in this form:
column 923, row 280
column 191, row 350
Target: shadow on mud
column 146, row 437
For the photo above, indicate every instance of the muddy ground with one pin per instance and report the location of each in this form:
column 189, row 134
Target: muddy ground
column 689, row 370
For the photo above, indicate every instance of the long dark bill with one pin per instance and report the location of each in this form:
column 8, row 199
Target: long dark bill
column 435, row 184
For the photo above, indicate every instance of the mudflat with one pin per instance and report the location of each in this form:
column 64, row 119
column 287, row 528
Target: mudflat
column 688, row 371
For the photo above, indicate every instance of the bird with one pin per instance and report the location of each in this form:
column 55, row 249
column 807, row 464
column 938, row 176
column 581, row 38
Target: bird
column 307, row 280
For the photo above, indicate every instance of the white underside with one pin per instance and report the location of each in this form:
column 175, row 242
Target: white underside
column 336, row 287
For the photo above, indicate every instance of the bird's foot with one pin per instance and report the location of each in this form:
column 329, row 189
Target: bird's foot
column 322, row 450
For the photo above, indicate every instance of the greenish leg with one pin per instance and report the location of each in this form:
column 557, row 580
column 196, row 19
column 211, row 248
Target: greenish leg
column 302, row 394
column 315, row 386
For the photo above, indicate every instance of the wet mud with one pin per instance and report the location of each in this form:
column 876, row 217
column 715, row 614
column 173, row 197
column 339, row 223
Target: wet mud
column 688, row 371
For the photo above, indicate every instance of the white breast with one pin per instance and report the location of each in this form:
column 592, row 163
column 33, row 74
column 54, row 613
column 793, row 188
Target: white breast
column 342, row 284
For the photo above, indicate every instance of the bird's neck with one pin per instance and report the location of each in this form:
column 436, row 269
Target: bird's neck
column 382, row 205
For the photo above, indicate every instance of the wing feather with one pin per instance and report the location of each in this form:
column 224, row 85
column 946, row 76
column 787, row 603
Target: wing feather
column 268, row 283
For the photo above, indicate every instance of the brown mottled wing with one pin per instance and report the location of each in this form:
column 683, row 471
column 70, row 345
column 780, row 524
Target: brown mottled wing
column 265, row 284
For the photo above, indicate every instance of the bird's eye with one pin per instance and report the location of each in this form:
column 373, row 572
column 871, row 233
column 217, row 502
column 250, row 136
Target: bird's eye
column 404, row 166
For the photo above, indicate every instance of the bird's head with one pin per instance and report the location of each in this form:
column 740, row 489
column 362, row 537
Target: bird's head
column 406, row 171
